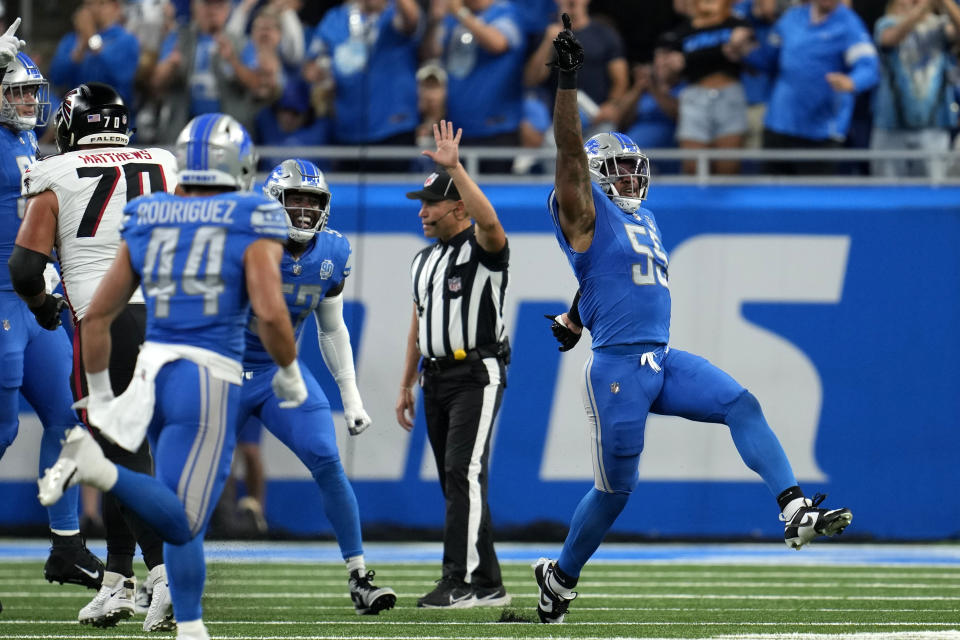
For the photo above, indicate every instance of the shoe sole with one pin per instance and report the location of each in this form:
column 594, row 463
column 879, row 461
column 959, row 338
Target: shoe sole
column 460, row 604
column 109, row 620
column 546, row 619
column 832, row 524
column 80, row 582
column 167, row 624
column 383, row 603
column 502, row 601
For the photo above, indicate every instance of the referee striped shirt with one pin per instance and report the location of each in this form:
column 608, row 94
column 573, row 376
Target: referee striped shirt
column 459, row 291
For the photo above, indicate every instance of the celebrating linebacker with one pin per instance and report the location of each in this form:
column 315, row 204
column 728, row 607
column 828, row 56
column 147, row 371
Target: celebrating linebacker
column 315, row 266
column 614, row 248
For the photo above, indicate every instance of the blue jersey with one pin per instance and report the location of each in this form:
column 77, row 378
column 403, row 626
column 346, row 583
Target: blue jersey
column 18, row 150
column 306, row 280
column 624, row 297
column 803, row 103
column 188, row 253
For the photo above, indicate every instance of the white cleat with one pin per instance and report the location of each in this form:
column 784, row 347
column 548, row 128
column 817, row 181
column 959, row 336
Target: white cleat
column 160, row 612
column 196, row 631
column 113, row 602
column 810, row 521
column 81, row 460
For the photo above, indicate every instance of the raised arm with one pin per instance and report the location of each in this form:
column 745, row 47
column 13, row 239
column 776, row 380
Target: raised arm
column 490, row 233
column 572, row 178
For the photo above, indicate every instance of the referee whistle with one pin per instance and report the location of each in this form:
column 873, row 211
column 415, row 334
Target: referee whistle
column 459, row 354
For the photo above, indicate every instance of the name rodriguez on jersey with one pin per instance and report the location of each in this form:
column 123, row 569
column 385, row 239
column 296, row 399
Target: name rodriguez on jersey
column 181, row 211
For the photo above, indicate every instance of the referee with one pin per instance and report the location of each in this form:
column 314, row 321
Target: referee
column 457, row 329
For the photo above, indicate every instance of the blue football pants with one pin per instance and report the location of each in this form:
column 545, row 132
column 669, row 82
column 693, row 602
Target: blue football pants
column 37, row 362
column 618, row 392
column 309, row 432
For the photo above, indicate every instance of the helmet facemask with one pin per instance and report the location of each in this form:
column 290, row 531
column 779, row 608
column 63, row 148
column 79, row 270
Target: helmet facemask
column 307, row 212
column 25, row 105
column 625, row 178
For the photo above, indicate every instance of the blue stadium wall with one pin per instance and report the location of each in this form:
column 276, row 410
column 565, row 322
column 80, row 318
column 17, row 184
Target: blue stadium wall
column 838, row 307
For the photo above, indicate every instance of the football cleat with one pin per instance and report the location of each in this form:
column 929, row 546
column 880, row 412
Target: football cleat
column 491, row 596
column 450, row 593
column 552, row 606
column 81, row 460
column 70, row 561
column 368, row 598
column 160, row 612
column 113, row 603
column 809, row 522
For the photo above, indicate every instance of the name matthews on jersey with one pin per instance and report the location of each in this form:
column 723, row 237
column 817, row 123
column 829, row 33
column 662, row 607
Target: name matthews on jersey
column 106, row 157
column 186, row 211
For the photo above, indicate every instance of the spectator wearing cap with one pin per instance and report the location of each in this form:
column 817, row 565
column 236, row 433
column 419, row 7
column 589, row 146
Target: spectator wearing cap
column 197, row 71
column 369, row 50
column 292, row 122
column 457, row 348
column 98, row 49
column 605, row 75
column 482, row 46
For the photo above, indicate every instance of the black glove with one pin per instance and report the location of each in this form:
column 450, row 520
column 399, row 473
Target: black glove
column 568, row 339
column 48, row 313
column 569, row 50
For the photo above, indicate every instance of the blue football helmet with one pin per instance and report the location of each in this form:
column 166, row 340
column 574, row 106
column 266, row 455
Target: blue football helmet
column 296, row 175
column 26, row 95
column 214, row 150
column 613, row 159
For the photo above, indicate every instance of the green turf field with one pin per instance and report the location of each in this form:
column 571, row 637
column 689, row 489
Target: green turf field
column 267, row 601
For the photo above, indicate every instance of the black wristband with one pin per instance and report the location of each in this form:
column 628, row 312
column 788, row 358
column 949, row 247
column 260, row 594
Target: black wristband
column 574, row 313
column 566, row 79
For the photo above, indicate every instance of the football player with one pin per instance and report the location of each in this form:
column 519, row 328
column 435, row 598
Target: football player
column 75, row 203
column 36, row 358
column 204, row 258
column 316, row 263
column 613, row 245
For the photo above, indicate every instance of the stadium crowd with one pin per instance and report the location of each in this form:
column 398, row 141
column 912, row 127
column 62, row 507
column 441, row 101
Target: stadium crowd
column 669, row 73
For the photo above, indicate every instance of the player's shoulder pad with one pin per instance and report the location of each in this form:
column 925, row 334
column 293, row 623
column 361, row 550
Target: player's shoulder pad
column 45, row 174
column 265, row 215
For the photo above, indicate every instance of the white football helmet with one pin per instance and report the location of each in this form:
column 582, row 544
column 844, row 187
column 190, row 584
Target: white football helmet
column 24, row 86
column 214, row 150
column 297, row 175
column 614, row 158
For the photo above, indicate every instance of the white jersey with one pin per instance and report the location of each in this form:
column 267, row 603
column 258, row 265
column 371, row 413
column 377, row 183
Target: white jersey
column 92, row 188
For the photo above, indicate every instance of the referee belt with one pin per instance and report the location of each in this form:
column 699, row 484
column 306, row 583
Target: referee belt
column 439, row 364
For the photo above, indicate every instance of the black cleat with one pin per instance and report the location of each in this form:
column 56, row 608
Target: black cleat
column 71, row 562
column 450, row 593
column 810, row 521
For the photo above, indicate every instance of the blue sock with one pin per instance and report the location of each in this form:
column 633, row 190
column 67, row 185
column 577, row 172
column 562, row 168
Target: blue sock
column 594, row 516
column 63, row 513
column 155, row 503
column 186, row 573
column 340, row 506
column 758, row 445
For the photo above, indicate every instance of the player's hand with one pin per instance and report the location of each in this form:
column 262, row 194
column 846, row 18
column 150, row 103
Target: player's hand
column 10, row 44
column 569, row 50
column 357, row 419
column 447, row 154
column 567, row 337
column 48, row 312
column 406, row 408
column 288, row 385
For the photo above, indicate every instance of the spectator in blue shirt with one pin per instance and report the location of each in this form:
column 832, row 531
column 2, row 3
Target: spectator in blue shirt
column 914, row 105
column 482, row 47
column 823, row 56
column 369, row 49
column 291, row 122
column 98, row 49
column 757, row 83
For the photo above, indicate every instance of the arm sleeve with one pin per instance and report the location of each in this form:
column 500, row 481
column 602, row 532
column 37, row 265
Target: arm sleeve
column 574, row 312
column 861, row 57
column 334, row 339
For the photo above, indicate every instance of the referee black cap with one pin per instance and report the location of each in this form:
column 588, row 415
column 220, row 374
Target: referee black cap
column 438, row 186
